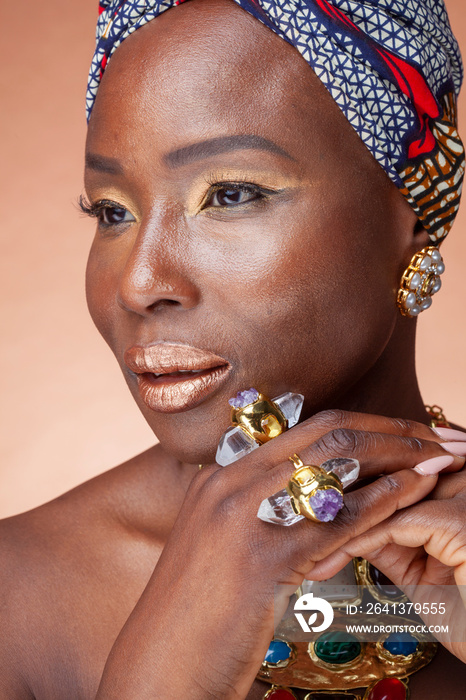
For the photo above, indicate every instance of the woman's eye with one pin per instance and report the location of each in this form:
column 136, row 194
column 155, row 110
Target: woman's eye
column 111, row 215
column 231, row 196
column 106, row 212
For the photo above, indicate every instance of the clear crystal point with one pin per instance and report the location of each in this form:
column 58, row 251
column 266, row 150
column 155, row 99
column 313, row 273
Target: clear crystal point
column 233, row 445
column 290, row 405
column 347, row 470
column 277, row 509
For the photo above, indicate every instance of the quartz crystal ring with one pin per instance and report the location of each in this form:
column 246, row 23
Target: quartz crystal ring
column 314, row 492
column 255, row 420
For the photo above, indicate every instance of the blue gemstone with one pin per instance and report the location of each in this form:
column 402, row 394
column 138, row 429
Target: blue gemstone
column 401, row 644
column 277, row 651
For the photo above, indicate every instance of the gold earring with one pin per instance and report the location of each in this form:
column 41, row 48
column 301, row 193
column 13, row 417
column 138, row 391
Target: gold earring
column 420, row 281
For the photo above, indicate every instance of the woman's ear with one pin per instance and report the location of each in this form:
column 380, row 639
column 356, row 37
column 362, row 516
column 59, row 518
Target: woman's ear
column 416, row 237
column 420, row 234
column 411, row 234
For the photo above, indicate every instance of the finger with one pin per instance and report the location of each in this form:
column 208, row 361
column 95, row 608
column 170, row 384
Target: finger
column 335, row 427
column 363, row 509
column 379, row 453
column 438, row 527
column 449, row 485
column 328, row 420
column 382, row 498
column 329, row 566
column 392, row 556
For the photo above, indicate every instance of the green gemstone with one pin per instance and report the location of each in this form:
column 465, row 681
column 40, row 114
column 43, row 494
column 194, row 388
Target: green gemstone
column 337, row 647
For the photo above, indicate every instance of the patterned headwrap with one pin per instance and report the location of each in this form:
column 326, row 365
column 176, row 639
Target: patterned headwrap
column 392, row 66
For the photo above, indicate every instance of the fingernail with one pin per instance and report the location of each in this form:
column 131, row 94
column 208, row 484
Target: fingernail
column 433, row 466
column 457, row 448
column 450, row 434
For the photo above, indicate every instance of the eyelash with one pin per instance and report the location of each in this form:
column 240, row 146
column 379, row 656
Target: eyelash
column 248, row 187
column 94, row 209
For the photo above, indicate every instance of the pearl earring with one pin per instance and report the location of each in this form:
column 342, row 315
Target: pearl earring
column 420, row 281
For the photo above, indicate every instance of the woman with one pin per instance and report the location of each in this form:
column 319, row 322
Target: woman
column 245, row 235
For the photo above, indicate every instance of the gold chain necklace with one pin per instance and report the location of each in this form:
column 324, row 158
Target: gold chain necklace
column 437, row 417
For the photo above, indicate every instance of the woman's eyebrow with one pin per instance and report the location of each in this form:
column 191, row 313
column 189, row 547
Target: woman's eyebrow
column 221, row 144
column 103, row 164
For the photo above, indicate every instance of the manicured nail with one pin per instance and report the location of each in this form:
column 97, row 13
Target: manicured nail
column 433, row 466
column 450, row 434
column 457, row 448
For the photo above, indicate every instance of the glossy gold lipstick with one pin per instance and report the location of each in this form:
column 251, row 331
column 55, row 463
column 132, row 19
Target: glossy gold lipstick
column 173, row 378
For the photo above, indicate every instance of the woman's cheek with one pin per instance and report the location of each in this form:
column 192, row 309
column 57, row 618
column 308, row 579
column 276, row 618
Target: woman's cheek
column 101, row 280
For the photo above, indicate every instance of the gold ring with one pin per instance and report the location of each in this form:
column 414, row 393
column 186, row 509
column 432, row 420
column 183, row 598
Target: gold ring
column 262, row 419
column 314, row 492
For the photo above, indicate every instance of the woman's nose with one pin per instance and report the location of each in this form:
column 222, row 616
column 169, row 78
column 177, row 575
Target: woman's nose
column 152, row 279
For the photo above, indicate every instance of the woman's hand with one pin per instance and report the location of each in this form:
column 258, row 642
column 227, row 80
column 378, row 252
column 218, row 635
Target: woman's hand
column 422, row 549
column 205, row 620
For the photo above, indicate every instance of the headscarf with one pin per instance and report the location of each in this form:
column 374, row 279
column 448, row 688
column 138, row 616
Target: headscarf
column 392, row 66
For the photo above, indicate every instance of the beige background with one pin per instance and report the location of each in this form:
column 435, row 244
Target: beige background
column 66, row 413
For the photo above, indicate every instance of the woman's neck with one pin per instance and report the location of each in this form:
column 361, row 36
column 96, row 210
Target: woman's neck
column 390, row 387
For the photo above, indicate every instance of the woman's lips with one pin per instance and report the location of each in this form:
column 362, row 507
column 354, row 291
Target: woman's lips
column 173, row 378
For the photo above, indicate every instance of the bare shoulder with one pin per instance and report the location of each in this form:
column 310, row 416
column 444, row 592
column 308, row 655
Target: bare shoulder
column 72, row 570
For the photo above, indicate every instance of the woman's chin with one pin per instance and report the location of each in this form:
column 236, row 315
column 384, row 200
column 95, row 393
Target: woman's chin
column 187, row 437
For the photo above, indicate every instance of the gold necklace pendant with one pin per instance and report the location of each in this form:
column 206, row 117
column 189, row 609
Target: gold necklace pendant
column 383, row 689
column 337, row 662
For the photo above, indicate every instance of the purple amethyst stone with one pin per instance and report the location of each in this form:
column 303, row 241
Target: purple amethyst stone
column 244, row 398
column 326, row 503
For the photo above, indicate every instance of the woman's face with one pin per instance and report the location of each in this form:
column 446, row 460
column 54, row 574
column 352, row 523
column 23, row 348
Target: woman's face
column 238, row 213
